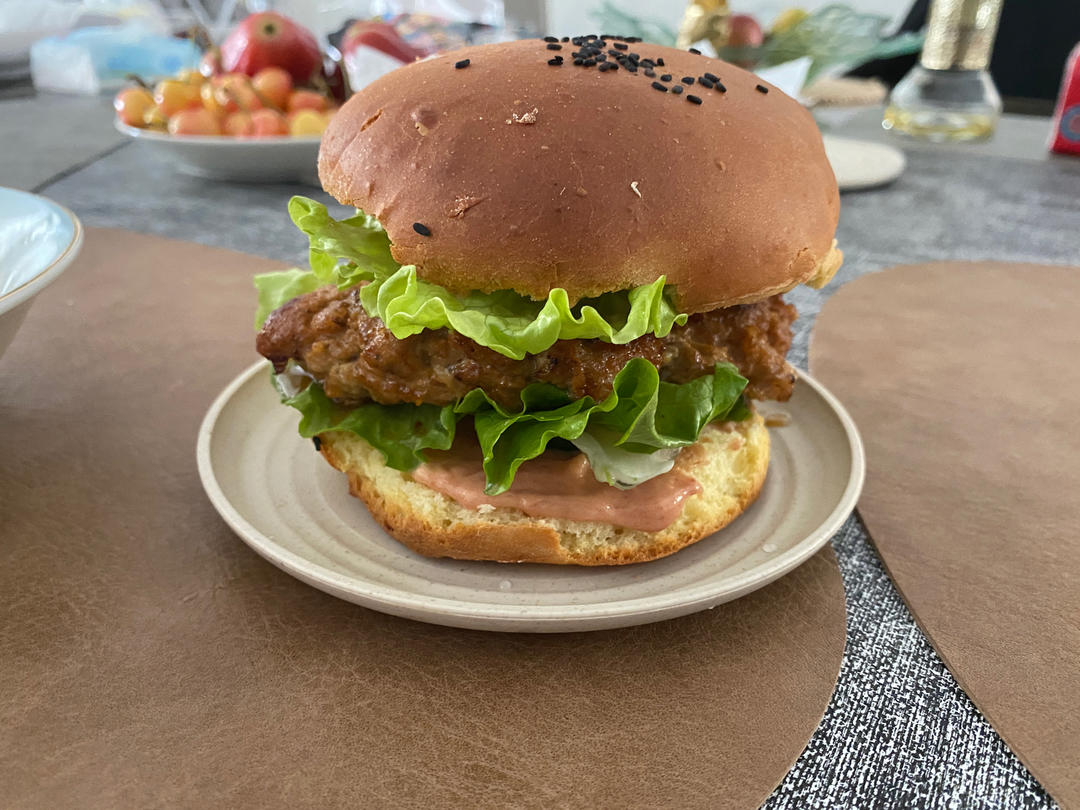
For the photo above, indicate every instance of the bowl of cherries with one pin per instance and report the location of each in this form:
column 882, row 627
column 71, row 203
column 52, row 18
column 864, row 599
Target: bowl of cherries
column 254, row 111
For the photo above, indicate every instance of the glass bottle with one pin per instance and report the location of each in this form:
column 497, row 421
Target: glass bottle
column 949, row 95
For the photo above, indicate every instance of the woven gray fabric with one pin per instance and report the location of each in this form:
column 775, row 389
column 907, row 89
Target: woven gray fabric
column 899, row 732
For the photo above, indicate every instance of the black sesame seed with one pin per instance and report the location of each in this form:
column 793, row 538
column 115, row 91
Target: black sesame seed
column 693, row 99
column 556, row 61
column 705, row 82
column 589, row 62
column 676, row 89
column 579, row 62
column 605, row 66
column 601, row 57
column 711, row 77
column 647, row 63
column 720, row 87
column 551, row 39
column 622, row 46
column 421, row 229
column 566, row 39
column 666, row 77
column 635, row 56
column 464, row 63
column 315, row 440
column 650, row 73
column 659, row 62
column 762, row 88
column 687, row 79
column 694, row 50
column 660, row 87
column 554, row 46
column 632, row 39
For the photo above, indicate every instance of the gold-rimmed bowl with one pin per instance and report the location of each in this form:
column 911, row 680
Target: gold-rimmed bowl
column 38, row 240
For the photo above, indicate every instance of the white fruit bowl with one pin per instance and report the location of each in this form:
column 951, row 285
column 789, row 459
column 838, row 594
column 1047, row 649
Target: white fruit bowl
column 275, row 159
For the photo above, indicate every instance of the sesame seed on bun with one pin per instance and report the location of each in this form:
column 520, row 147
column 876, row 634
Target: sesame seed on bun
column 539, row 164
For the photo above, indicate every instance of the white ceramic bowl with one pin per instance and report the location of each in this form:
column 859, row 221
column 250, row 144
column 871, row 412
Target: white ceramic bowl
column 38, row 240
column 276, row 159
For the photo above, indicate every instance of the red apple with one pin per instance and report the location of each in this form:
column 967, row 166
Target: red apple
column 269, row 39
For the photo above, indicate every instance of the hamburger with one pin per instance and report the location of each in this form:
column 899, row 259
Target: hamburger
column 541, row 335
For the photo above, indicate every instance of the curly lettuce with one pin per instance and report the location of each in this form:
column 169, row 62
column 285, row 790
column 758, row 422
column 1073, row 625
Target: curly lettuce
column 628, row 436
column 357, row 251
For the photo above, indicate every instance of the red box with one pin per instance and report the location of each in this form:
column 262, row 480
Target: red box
column 1065, row 136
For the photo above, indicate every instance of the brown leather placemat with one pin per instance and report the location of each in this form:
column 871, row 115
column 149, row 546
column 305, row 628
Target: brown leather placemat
column 149, row 658
column 965, row 384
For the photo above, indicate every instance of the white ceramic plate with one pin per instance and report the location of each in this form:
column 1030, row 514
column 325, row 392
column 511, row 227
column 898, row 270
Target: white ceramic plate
column 863, row 164
column 38, row 240
column 289, row 505
column 249, row 160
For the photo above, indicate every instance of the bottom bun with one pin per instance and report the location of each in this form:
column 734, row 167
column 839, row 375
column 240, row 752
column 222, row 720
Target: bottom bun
column 729, row 461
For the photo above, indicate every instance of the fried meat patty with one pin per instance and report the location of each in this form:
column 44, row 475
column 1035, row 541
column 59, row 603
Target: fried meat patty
column 357, row 359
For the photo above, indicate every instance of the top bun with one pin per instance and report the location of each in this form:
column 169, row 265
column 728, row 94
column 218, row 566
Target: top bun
column 531, row 176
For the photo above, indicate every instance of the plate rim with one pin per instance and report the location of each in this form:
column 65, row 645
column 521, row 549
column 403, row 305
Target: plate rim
column 527, row 618
column 33, row 285
column 894, row 152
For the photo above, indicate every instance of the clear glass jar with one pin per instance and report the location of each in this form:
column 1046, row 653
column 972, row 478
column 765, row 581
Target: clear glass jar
column 944, row 105
column 949, row 95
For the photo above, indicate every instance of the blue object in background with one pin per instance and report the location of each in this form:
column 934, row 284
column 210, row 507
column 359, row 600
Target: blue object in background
column 96, row 60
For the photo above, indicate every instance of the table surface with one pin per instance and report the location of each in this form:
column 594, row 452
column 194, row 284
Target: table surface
column 899, row 730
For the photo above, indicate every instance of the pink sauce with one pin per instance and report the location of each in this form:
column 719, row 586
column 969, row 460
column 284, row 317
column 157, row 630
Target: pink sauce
column 560, row 485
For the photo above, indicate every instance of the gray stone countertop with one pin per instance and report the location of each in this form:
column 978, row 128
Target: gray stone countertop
column 47, row 135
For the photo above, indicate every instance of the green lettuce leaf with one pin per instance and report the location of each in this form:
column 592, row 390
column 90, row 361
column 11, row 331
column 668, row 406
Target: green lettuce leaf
column 359, row 240
column 357, row 250
column 514, row 325
column 276, row 289
column 642, row 415
column 400, row 432
column 618, row 466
